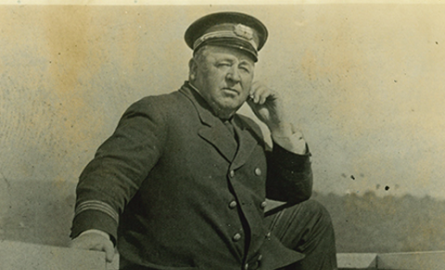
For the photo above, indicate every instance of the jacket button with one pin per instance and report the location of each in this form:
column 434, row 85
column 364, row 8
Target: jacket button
column 268, row 235
column 236, row 237
column 246, row 266
column 263, row 204
column 260, row 257
column 232, row 173
column 233, row 204
column 258, row 171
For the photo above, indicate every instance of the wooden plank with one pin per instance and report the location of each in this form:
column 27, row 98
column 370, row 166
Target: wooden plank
column 434, row 260
column 357, row 260
column 18, row 256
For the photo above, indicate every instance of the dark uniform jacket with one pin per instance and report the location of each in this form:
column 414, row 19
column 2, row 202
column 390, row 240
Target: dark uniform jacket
column 177, row 190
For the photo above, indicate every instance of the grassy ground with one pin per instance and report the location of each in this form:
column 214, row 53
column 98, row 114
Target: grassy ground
column 373, row 224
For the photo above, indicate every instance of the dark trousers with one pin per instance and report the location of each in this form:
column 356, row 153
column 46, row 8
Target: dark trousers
column 306, row 228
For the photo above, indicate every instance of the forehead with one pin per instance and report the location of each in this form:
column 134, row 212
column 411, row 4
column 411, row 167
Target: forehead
column 218, row 52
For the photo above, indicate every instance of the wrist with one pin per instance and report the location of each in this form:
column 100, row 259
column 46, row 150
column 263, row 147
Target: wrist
column 290, row 139
column 282, row 129
column 97, row 232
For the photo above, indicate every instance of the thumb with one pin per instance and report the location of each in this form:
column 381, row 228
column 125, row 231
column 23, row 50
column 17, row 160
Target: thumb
column 109, row 251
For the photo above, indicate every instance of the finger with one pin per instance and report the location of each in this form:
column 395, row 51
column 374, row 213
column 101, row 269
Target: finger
column 260, row 93
column 252, row 98
column 74, row 245
column 264, row 96
column 253, row 89
column 251, row 104
column 253, row 107
column 109, row 251
column 79, row 244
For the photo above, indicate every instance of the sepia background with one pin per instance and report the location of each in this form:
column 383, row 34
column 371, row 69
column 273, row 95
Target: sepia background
column 365, row 83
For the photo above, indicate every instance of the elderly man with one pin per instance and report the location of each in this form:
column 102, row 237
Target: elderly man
column 183, row 181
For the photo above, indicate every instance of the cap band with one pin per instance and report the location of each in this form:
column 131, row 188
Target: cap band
column 227, row 29
column 239, row 32
column 231, row 42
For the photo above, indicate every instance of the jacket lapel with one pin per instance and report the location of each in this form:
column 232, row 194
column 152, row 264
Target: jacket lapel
column 247, row 140
column 213, row 130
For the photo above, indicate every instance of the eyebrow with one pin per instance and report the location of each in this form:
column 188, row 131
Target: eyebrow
column 246, row 62
column 225, row 58
column 231, row 60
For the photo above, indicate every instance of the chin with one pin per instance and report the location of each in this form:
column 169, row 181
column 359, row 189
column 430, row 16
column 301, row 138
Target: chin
column 231, row 105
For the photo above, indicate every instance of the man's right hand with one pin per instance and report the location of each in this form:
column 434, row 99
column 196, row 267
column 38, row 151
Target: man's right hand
column 93, row 240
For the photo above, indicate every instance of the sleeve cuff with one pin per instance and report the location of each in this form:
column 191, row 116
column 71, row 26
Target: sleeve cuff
column 94, row 231
column 288, row 159
column 97, row 220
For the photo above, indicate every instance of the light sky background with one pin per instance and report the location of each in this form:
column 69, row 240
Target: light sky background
column 363, row 81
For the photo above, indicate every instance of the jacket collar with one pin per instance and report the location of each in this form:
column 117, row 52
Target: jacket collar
column 215, row 132
column 202, row 107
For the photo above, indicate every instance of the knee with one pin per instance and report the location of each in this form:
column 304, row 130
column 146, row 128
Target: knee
column 312, row 226
column 318, row 212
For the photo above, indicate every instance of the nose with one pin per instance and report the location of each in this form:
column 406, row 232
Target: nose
column 233, row 74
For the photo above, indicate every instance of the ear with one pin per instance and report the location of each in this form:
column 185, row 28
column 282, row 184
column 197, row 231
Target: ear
column 192, row 69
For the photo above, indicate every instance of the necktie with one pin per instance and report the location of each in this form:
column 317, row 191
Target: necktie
column 229, row 125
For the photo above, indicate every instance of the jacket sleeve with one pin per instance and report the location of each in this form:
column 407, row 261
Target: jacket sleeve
column 119, row 167
column 289, row 175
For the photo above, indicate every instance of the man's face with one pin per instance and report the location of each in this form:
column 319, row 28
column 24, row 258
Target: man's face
column 224, row 77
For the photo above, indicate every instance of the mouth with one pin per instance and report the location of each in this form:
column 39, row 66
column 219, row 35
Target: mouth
column 230, row 90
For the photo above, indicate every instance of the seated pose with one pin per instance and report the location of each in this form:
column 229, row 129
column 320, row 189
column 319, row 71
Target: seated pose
column 183, row 181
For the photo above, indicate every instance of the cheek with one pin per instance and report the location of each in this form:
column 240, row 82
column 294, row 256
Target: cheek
column 215, row 77
column 247, row 82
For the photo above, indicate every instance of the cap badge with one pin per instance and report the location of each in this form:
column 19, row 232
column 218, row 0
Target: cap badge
column 243, row 31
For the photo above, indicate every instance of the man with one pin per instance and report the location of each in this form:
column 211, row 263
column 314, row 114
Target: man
column 182, row 183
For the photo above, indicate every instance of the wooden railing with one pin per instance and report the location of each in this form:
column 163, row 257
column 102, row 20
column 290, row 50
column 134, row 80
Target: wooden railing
column 433, row 260
column 25, row 256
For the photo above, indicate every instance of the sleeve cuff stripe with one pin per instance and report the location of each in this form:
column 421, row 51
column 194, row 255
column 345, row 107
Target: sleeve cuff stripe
column 98, row 206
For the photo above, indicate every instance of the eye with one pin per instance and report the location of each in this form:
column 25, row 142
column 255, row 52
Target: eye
column 223, row 64
column 245, row 68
